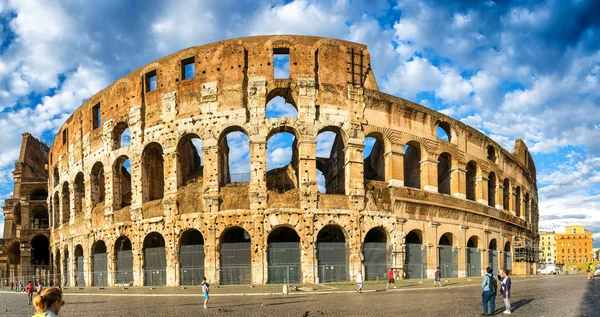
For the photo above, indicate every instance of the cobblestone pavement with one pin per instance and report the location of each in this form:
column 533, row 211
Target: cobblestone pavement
column 550, row 296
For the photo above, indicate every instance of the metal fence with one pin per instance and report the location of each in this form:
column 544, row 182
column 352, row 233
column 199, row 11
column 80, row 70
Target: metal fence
column 507, row 260
column 448, row 261
column 80, row 278
column 416, row 261
column 375, row 261
column 493, row 257
column 124, row 274
column 66, row 276
column 236, row 263
column 473, row 262
column 283, row 260
column 100, row 272
column 191, row 264
column 155, row 266
column 332, row 262
column 239, row 178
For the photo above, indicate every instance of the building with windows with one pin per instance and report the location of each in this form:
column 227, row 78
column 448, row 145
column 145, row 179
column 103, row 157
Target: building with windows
column 547, row 247
column 575, row 245
column 171, row 204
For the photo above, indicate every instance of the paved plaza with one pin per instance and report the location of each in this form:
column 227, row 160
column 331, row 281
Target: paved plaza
column 546, row 296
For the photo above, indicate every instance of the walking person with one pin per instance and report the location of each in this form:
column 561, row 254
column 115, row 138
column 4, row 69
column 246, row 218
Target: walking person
column 29, row 290
column 40, row 288
column 590, row 271
column 49, row 303
column 391, row 279
column 437, row 279
column 505, row 290
column 489, row 287
column 205, row 290
column 12, row 286
column 359, row 281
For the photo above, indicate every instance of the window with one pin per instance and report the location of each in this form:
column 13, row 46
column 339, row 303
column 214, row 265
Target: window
column 281, row 62
column 96, row 118
column 64, row 136
column 188, row 68
column 151, row 81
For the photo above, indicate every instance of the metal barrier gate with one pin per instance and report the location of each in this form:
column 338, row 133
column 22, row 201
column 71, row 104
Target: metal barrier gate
column 100, row 274
column 415, row 265
column 448, row 256
column 155, row 266
column 236, row 263
column 124, row 267
column 283, row 260
column 332, row 262
column 375, row 260
column 473, row 262
column 191, row 264
column 80, row 278
column 507, row 260
column 493, row 257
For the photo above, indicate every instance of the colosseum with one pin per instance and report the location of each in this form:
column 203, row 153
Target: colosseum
column 145, row 186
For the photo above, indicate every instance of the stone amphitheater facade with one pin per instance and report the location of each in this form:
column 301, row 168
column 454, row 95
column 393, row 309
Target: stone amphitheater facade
column 415, row 203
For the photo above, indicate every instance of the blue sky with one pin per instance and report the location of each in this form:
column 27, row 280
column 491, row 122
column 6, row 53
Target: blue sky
column 521, row 69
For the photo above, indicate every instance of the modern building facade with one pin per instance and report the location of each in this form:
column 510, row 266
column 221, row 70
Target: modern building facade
column 547, row 247
column 575, row 245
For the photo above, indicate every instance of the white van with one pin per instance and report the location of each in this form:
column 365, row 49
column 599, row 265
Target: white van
column 548, row 269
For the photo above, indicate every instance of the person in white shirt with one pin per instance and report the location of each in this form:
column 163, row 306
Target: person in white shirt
column 359, row 281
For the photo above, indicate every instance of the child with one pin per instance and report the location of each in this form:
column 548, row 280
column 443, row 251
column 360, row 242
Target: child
column 506, row 286
column 437, row 277
column 205, row 290
column 359, row 281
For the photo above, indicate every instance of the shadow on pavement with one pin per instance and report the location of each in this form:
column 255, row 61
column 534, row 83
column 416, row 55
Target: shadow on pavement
column 590, row 305
column 520, row 303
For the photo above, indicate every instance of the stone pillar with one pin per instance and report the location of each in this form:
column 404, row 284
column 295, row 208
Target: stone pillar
column 258, row 170
column 429, row 177
column 355, row 255
column 136, row 187
column 88, row 267
column 394, row 165
column 485, row 256
column 432, row 248
column 109, row 194
column 512, row 197
column 259, row 261
column 308, row 252
column 110, row 267
column 73, row 260
column 257, row 98
column 210, row 178
column 355, row 184
column 307, row 96
column 138, row 263
column 458, row 181
column 500, row 196
column 307, row 168
column 481, row 190
column 170, row 168
column 211, row 258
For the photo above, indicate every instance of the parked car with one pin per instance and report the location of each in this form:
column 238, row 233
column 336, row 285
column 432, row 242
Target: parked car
column 597, row 270
column 548, row 269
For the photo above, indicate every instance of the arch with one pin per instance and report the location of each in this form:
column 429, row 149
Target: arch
column 17, row 214
column 332, row 254
column 55, row 177
column 526, row 203
column 189, row 159
column 518, row 201
column 443, row 131
column 491, row 153
column 278, row 107
column 448, row 256
column 191, row 257
column 493, row 256
column 122, row 182
column 507, row 256
column 374, row 163
column 40, row 250
column 97, row 184
column 39, row 217
column 444, row 168
column 121, row 135
column 283, row 256
column 99, row 264
column 375, row 254
column 236, row 170
column 56, row 210
column 471, row 180
column 282, row 168
column 236, row 259
column 79, row 266
column 39, row 194
column 155, row 259
column 66, row 203
column 415, row 261
column 14, row 254
column 506, row 194
column 492, row 189
column 412, row 164
column 123, row 261
column 473, row 257
column 153, row 176
column 331, row 159
column 79, row 193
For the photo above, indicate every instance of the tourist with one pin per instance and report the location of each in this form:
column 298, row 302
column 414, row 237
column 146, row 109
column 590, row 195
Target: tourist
column 359, row 281
column 505, row 290
column 205, row 290
column 590, row 271
column 391, row 279
column 488, row 286
column 437, row 277
column 29, row 290
column 40, row 288
column 51, row 282
column 12, row 285
column 49, row 303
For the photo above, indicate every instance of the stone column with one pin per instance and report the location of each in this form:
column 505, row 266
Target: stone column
column 394, row 165
column 485, row 256
column 138, row 263
column 170, row 168
column 512, row 197
column 210, row 178
column 307, row 168
column 355, row 184
column 308, row 252
column 355, row 256
column 258, row 170
column 259, row 261
column 432, row 249
column 307, row 96
column 481, row 190
column 211, row 258
column 109, row 194
column 458, row 181
column 429, row 177
column 110, row 267
column 500, row 196
column 136, row 187
column 73, row 260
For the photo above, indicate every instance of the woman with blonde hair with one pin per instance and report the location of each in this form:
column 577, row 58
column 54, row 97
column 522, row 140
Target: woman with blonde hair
column 49, row 303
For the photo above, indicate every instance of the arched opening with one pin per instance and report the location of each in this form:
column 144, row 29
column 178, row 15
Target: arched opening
column 518, row 201
column 153, row 176
column 39, row 194
column 493, row 256
column 491, row 153
column 506, row 194
column 55, row 177
column 122, row 182
column 189, row 160
column 412, row 165
column 282, row 161
column 14, row 260
column 17, row 214
column 283, row 256
column 234, row 166
column 279, row 108
column 236, row 259
column 155, row 260
column 56, row 210
column 473, row 257
column 121, row 136
column 375, row 255
column 39, row 217
column 507, row 256
column 448, row 256
column 331, row 160
column 415, row 265
column 471, row 180
column 124, row 261
column 492, row 190
column 40, row 258
column 526, row 203
column 191, row 258
column 332, row 255
column 444, row 167
column 99, row 264
column 66, row 203
column 374, row 164
column 443, row 131
column 79, row 194
column 80, row 263
column 97, row 184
